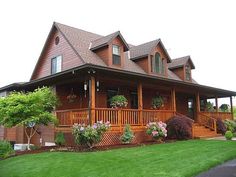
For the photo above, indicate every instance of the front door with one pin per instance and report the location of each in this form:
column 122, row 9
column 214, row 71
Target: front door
column 134, row 100
column 191, row 108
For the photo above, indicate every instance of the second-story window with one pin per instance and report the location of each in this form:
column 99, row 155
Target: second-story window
column 158, row 65
column 187, row 73
column 116, row 55
column 56, row 64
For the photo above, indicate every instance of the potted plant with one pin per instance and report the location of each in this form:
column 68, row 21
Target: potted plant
column 157, row 130
column 157, row 102
column 127, row 136
column 118, row 101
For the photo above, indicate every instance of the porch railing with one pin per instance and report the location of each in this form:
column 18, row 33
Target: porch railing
column 117, row 117
column 222, row 115
column 207, row 121
column 69, row 117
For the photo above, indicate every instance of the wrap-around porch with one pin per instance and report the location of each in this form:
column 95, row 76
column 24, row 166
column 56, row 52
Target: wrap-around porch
column 139, row 112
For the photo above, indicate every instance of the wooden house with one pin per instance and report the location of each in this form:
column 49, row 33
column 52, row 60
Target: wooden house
column 86, row 69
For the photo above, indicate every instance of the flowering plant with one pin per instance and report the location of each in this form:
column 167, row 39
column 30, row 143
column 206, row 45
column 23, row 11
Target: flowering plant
column 89, row 135
column 157, row 102
column 157, row 129
column 119, row 101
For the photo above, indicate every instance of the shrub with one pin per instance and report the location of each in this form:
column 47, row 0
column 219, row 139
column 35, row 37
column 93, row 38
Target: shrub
column 33, row 147
column 179, row 128
column 228, row 135
column 221, row 128
column 128, row 135
column 157, row 130
column 89, row 135
column 60, row 139
column 157, row 102
column 118, row 101
column 224, row 107
column 230, row 125
column 6, row 149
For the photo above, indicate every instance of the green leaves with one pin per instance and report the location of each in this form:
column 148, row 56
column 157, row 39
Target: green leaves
column 21, row 108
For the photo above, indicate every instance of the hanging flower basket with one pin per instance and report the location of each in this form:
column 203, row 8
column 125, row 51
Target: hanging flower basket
column 118, row 101
column 157, row 102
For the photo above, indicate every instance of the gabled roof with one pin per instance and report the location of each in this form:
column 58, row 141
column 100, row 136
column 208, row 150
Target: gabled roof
column 145, row 49
column 104, row 41
column 80, row 41
column 179, row 62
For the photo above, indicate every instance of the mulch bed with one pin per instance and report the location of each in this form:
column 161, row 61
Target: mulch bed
column 83, row 149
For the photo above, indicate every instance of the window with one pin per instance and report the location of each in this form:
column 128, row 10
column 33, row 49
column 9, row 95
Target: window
column 56, row 64
column 158, row 64
column 187, row 73
column 116, row 55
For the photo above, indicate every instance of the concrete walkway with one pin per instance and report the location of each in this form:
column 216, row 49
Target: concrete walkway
column 227, row 169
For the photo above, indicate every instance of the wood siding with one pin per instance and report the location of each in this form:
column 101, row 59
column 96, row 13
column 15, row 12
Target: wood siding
column 179, row 72
column 69, row 57
column 47, row 134
column 143, row 63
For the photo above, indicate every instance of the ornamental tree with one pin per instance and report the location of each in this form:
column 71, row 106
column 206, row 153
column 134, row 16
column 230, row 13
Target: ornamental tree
column 29, row 109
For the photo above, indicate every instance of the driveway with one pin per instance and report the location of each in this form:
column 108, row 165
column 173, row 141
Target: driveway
column 227, row 169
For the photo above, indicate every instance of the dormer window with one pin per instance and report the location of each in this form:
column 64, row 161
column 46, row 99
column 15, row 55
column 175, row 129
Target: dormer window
column 158, row 65
column 56, row 64
column 116, row 60
column 187, row 73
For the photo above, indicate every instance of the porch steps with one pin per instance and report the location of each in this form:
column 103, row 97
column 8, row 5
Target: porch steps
column 202, row 132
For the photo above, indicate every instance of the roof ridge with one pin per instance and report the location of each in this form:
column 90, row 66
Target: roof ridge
column 79, row 29
column 187, row 56
column 105, row 36
column 147, row 42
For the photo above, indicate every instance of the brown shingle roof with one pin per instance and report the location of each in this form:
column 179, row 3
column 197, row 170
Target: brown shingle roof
column 179, row 62
column 145, row 49
column 103, row 41
column 81, row 40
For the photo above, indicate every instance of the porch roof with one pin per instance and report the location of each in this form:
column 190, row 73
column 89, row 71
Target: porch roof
column 83, row 70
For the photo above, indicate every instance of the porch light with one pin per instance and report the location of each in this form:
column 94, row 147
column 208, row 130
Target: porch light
column 85, row 88
column 97, row 86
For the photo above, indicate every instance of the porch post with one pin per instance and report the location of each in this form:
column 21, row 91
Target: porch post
column 232, row 107
column 173, row 100
column 140, row 101
column 198, row 103
column 217, row 108
column 92, row 100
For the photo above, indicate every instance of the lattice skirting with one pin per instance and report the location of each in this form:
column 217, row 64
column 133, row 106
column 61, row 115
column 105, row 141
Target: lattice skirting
column 112, row 138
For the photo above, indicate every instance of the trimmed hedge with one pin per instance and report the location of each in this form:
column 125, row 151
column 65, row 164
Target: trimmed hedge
column 179, row 128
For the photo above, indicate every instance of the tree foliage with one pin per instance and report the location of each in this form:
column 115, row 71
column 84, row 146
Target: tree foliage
column 28, row 109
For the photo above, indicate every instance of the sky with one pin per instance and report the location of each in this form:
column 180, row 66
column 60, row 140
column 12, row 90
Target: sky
column 205, row 30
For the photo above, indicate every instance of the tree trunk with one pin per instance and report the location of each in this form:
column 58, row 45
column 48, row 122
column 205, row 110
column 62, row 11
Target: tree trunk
column 30, row 135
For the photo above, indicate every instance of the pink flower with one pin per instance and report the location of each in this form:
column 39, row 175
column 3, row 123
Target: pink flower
column 155, row 133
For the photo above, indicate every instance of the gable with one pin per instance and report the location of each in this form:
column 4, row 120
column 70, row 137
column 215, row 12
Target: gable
column 69, row 58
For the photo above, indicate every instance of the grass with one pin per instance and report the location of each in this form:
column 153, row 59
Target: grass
column 183, row 158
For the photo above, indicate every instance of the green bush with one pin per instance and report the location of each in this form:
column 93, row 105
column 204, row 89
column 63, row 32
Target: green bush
column 128, row 135
column 209, row 107
column 33, row 147
column 60, row 139
column 230, row 125
column 228, row 135
column 6, row 149
column 224, row 108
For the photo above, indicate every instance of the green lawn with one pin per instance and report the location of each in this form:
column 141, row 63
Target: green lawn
column 185, row 158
